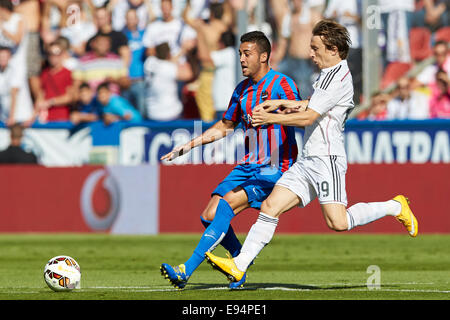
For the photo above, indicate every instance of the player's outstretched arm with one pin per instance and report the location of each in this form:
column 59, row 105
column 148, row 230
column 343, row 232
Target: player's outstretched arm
column 282, row 106
column 218, row 131
column 295, row 119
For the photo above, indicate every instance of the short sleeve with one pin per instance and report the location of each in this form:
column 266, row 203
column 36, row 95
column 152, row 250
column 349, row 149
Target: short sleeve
column 288, row 90
column 234, row 111
column 322, row 100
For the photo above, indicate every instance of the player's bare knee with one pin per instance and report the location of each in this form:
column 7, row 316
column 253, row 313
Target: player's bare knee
column 268, row 208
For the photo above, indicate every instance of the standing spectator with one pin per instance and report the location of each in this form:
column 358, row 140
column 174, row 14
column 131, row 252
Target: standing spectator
column 292, row 57
column 440, row 96
column 14, row 154
column 30, row 11
column 224, row 60
column 15, row 99
column 52, row 20
column 162, row 74
column 208, row 36
column 348, row 13
column 397, row 21
column 119, row 42
column 119, row 8
column 114, row 107
column 78, row 29
column 101, row 65
column 441, row 55
column 55, row 95
column 180, row 37
column 87, row 109
column 136, row 93
column 13, row 33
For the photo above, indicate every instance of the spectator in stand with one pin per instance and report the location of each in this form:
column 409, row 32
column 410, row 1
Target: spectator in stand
column 441, row 55
column 162, row 74
column 119, row 42
column 440, row 96
column 407, row 103
column 52, row 20
column 102, row 65
column 78, row 29
column 136, row 93
column 434, row 14
column 292, row 55
column 181, row 38
column 397, row 19
column 87, row 109
column 114, row 107
column 30, row 11
column 208, row 38
column 14, row 154
column 16, row 105
column 69, row 61
column 377, row 109
column 13, row 33
column 348, row 13
column 55, row 94
column 119, row 8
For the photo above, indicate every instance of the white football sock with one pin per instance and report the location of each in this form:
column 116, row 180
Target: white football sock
column 364, row 213
column 258, row 237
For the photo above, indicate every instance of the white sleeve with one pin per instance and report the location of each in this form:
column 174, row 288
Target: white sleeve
column 286, row 26
column 147, row 39
column 188, row 33
column 325, row 97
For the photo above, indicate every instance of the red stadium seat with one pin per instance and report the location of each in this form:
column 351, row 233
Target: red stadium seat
column 442, row 34
column 420, row 43
column 393, row 72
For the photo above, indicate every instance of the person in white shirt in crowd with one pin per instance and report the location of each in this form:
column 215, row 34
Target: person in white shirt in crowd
column 120, row 8
column 78, row 28
column 162, row 74
column 407, row 104
column 13, row 33
column 397, row 17
column 16, row 105
column 441, row 55
column 180, row 37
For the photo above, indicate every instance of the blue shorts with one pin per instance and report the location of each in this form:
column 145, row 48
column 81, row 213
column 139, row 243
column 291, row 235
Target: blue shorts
column 256, row 180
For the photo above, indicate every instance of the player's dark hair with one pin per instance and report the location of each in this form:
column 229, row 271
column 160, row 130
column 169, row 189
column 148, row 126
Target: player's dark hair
column 333, row 35
column 162, row 51
column 260, row 39
column 216, row 10
column 228, row 38
column 6, row 4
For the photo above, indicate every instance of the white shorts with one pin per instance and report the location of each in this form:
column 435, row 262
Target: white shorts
column 322, row 177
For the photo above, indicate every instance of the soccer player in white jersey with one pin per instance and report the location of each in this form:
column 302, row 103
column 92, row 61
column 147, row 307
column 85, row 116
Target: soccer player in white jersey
column 320, row 171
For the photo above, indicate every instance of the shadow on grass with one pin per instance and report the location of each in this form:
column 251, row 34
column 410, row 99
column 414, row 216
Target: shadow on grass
column 278, row 286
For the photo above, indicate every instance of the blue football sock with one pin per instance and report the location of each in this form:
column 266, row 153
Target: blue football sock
column 212, row 236
column 230, row 242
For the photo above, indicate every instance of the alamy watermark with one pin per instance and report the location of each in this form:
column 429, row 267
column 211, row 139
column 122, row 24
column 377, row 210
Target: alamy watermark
column 374, row 280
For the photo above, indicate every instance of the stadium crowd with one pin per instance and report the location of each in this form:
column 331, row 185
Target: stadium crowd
column 86, row 60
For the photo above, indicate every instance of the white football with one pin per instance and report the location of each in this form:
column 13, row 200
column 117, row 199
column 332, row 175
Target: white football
column 62, row 273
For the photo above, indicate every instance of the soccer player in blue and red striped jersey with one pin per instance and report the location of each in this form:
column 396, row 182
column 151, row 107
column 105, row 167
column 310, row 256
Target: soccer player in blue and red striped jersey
column 270, row 150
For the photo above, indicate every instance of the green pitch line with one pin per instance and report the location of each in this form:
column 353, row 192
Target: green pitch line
column 298, row 267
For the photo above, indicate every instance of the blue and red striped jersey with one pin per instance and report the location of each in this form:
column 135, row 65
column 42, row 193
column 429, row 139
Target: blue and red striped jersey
column 268, row 144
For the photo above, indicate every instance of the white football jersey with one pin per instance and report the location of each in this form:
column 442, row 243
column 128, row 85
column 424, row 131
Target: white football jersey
column 333, row 100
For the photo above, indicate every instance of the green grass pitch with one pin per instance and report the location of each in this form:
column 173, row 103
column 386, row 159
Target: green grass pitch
column 297, row 267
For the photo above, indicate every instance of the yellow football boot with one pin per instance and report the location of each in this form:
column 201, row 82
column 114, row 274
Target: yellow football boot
column 406, row 217
column 226, row 266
